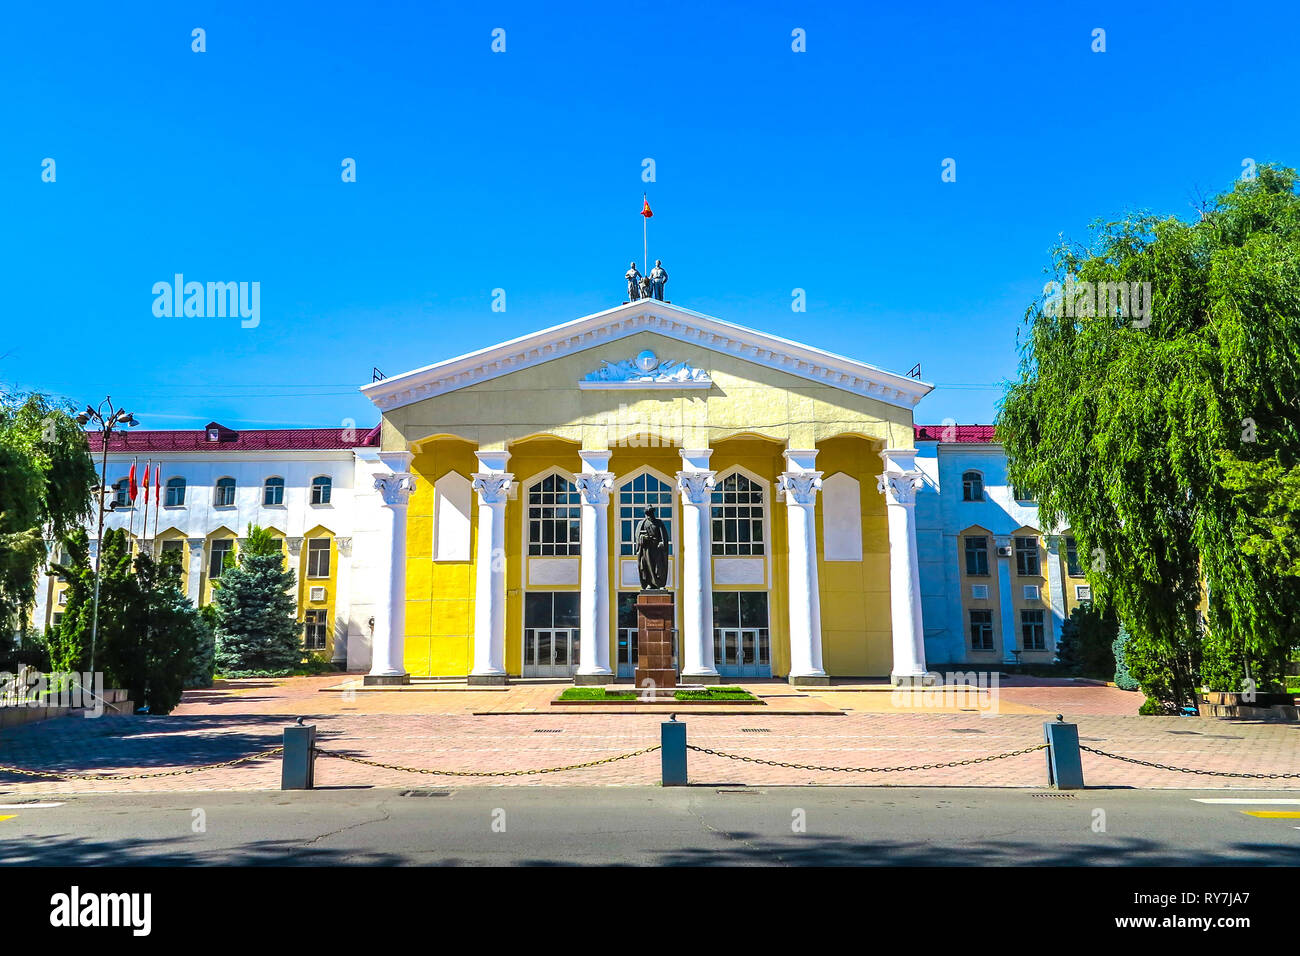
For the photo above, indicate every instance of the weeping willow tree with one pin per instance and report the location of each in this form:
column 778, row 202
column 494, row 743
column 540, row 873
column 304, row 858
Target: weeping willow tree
column 1157, row 413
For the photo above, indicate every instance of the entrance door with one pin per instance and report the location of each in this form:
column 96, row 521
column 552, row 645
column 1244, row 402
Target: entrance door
column 741, row 646
column 551, row 637
column 551, row 652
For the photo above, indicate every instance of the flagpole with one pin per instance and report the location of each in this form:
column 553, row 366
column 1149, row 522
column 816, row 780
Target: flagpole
column 130, row 524
column 144, row 528
column 157, row 497
column 645, row 241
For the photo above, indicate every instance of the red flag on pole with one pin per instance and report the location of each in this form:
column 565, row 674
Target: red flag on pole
column 645, row 207
column 157, row 485
column 132, row 488
column 145, row 483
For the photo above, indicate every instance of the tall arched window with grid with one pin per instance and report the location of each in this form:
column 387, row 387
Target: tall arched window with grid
column 633, row 497
column 554, row 517
column 738, row 516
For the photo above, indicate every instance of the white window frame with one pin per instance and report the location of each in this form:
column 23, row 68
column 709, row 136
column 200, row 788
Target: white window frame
column 217, row 488
column 982, row 490
column 168, row 488
column 329, row 558
column 671, row 520
column 267, row 486
column 318, row 486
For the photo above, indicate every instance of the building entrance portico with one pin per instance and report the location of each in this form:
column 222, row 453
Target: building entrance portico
column 515, row 564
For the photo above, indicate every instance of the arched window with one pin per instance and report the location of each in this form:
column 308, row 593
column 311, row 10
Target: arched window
column 738, row 516
column 553, row 517
column 225, row 497
column 273, row 491
column 320, row 489
column 633, row 497
column 175, row 493
column 972, row 486
column 122, row 493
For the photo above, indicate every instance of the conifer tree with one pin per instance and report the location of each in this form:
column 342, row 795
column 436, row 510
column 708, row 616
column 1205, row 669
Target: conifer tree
column 257, row 629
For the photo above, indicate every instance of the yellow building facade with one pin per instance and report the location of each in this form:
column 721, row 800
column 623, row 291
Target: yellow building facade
column 784, row 475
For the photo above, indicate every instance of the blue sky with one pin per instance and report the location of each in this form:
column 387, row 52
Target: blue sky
column 522, row 170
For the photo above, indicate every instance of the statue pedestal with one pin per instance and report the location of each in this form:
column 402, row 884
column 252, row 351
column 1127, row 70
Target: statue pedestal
column 654, row 624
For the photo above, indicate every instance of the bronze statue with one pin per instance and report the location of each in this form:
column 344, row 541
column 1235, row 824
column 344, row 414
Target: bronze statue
column 658, row 277
column 633, row 277
column 652, row 551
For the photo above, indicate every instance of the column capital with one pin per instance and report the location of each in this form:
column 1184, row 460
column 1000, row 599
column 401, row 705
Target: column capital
column 800, row 459
column 595, row 460
column 294, row 545
column 594, row 486
column 395, row 487
column 695, row 459
column 493, row 487
column 343, row 544
column 899, row 459
column 899, row 488
column 492, row 461
column 800, row 487
column 695, row 486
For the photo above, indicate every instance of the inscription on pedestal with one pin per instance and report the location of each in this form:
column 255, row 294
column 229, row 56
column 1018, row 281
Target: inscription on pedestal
column 654, row 621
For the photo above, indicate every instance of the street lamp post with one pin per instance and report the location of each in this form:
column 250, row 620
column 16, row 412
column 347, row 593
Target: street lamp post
column 106, row 422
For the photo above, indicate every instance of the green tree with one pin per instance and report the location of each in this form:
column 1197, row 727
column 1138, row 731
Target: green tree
column 257, row 632
column 149, row 634
column 46, row 477
column 1126, row 424
column 1087, row 642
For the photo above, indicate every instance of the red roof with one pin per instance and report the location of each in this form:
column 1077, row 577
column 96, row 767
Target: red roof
column 968, row 434
column 258, row 439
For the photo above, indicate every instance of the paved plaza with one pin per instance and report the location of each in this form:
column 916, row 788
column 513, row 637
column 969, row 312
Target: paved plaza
column 453, row 728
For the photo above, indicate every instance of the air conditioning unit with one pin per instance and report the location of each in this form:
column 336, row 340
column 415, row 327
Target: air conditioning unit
column 980, row 592
column 1083, row 592
column 1004, row 552
column 317, row 593
column 1031, row 592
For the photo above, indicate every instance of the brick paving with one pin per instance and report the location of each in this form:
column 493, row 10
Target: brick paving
column 448, row 730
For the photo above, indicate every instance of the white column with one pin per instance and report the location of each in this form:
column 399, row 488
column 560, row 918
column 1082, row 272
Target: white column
column 493, row 487
column 695, row 596
column 388, row 648
column 195, row 584
column 799, row 485
column 342, row 599
column 899, row 483
column 594, row 484
column 1055, row 591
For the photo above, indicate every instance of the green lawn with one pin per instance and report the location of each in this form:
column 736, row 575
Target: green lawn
column 708, row 693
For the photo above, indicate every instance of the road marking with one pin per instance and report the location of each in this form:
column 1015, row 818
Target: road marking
column 10, row 817
column 1274, row 814
column 27, row 806
column 1248, row 800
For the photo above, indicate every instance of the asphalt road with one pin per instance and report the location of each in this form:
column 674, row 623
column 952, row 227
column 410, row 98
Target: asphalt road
column 653, row 826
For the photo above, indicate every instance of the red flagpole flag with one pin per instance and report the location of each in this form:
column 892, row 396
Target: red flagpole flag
column 645, row 208
column 145, row 482
column 132, row 488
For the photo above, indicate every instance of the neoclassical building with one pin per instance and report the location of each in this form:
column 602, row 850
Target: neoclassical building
column 512, row 479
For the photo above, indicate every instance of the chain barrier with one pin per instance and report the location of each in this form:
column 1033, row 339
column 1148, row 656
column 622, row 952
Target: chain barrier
column 483, row 773
column 139, row 776
column 1206, row 773
column 927, row 766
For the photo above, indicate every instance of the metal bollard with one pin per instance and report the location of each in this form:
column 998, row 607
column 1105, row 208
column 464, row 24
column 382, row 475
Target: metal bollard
column 1064, row 766
column 672, row 739
column 297, row 768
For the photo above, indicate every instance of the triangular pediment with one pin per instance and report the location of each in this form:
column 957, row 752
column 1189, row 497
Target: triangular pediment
column 668, row 320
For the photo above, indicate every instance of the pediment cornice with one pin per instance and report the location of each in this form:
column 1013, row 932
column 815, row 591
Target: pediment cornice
column 664, row 319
